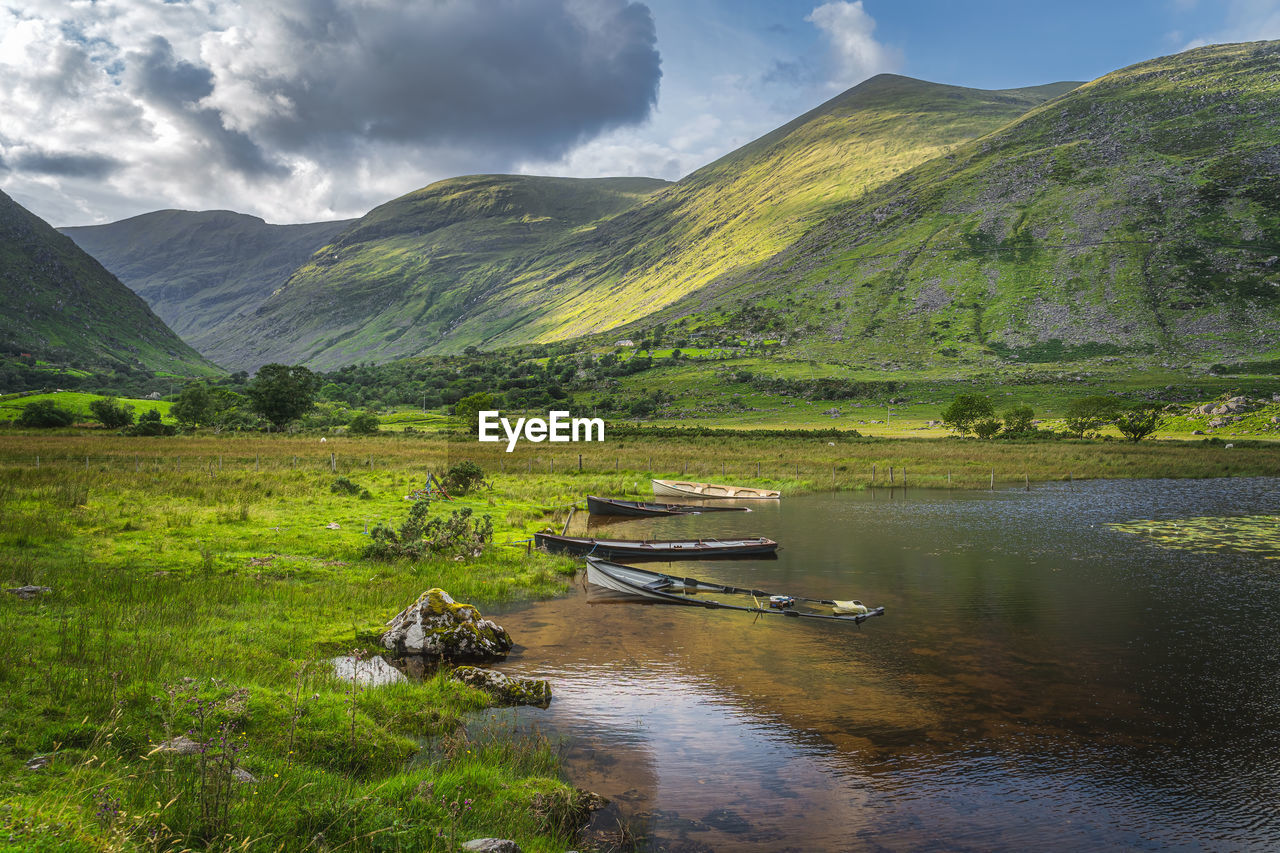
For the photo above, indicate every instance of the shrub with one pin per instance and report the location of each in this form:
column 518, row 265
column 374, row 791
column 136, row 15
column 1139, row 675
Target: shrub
column 986, row 428
column 45, row 414
column 463, row 477
column 111, row 413
column 150, row 422
column 468, row 410
column 420, row 536
column 364, row 423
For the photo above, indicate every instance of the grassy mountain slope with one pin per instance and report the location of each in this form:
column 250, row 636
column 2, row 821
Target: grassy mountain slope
column 489, row 261
column 197, row 268
column 1139, row 213
column 398, row 280
column 61, row 305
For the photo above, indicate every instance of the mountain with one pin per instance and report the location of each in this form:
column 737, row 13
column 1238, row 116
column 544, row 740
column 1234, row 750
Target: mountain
column 62, row 306
column 197, row 268
column 494, row 260
column 402, row 277
column 1139, row 213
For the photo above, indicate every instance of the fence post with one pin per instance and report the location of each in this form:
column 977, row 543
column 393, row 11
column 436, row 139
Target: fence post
column 993, row 480
column 579, row 463
column 333, row 461
column 873, row 473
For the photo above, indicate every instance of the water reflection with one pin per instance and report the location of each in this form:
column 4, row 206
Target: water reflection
column 1040, row 680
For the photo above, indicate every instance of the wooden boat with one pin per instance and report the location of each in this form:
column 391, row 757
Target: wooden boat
column 616, row 506
column 655, row 549
column 689, row 489
column 673, row 589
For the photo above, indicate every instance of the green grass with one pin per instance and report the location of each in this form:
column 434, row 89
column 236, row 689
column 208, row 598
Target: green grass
column 11, row 405
column 205, row 568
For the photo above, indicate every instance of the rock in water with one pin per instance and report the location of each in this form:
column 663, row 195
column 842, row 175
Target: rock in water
column 437, row 625
column 505, row 689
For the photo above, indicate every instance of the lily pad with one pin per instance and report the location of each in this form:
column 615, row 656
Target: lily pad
column 1247, row 534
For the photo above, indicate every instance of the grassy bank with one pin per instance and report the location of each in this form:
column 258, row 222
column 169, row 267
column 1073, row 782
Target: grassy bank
column 199, row 583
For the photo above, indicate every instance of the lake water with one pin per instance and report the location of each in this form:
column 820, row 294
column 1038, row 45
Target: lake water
column 1039, row 680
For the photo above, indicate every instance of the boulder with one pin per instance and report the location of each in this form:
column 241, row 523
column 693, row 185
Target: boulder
column 437, row 625
column 491, row 845
column 29, row 591
column 367, row 672
column 505, row 689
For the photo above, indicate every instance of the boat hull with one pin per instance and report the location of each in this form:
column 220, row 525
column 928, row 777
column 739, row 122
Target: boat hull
column 672, row 589
column 692, row 489
column 636, row 509
column 670, row 549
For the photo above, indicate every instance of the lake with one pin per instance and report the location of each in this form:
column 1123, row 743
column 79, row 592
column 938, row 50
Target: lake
column 1040, row 680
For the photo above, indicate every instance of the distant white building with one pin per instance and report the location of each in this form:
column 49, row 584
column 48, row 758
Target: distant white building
column 625, row 342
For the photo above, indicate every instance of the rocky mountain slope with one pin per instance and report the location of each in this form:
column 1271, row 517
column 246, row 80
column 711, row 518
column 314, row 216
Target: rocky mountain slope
column 198, row 268
column 62, row 306
column 1139, row 213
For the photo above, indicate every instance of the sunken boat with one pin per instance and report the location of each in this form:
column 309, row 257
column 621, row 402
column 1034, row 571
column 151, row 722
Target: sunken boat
column 656, row 549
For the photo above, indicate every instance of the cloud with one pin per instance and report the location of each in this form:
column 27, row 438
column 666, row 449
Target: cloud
column 301, row 109
column 1244, row 20
column 855, row 55
column 69, row 165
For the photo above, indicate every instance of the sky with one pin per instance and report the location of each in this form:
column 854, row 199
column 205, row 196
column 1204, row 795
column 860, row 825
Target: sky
column 309, row 110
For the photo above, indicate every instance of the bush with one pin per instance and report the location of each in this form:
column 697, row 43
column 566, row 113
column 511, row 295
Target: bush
column 364, row 423
column 986, row 428
column 111, row 413
column 463, row 477
column 420, row 536
column 45, row 414
column 151, row 423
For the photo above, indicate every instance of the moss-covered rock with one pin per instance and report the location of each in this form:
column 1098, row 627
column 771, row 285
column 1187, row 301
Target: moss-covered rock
column 438, row 626
column 505, row 689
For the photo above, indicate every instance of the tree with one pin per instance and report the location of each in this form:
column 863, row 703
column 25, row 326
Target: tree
column 282, row 393
column 364, row 423
column 1137, row 424
column 111, row 413
column 966, row 410
column 986, row 428
column 194, row 406
column 468, row 410
column 1086, row 415
column 1017, row 421
column 45, row 414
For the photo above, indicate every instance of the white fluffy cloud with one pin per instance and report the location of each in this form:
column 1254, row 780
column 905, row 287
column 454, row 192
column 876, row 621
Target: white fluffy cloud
column 855, row 53
column 302, row 109
column 1244, row 20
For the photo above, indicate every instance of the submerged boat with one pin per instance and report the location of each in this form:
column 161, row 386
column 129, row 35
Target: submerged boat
column 656, row 549
column 673, row 589
column 690, row 489
column 616, row 506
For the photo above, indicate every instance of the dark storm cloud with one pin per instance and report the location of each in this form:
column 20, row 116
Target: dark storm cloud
column 66, row 165
column 506, row 78
column 177, row 87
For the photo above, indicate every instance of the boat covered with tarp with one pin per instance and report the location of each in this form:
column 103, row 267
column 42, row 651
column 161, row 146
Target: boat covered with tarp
column 693, row 489
column 675, row 589
column 617, row 506
column 656, row 549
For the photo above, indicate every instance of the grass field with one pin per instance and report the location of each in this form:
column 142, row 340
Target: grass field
column 199, row 584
